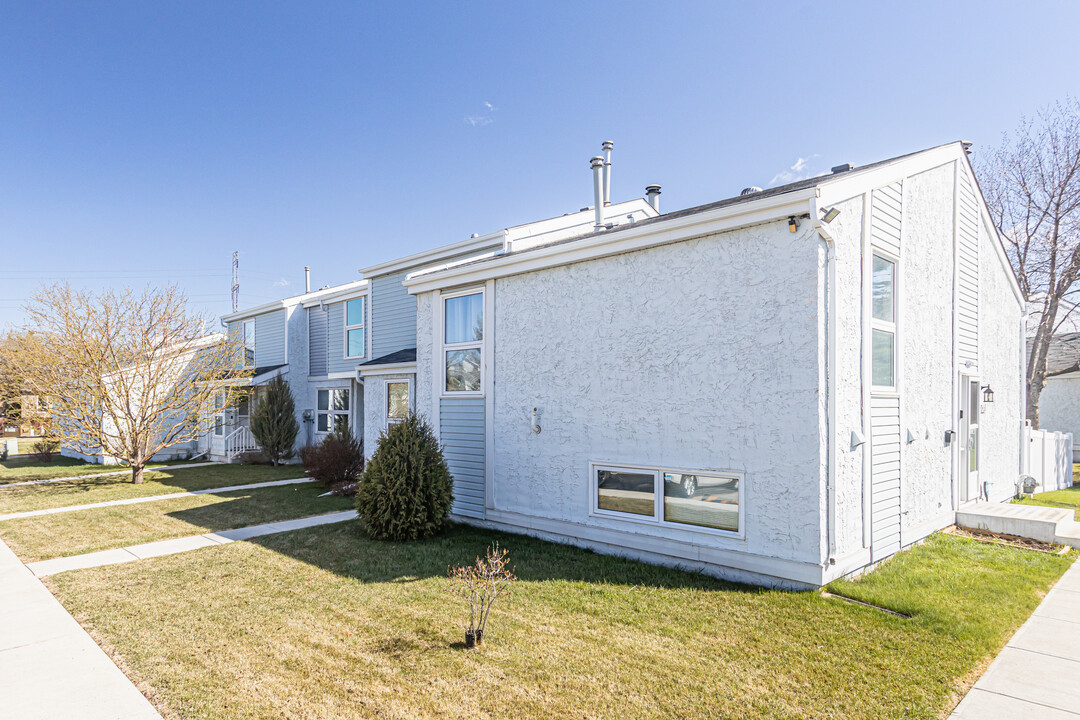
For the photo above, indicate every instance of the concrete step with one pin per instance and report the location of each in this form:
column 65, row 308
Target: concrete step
column 1068, row 534
column 1028, row 521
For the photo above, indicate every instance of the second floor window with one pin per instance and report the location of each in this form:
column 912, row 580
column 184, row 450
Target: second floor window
column 249, row 343
column 354, row 328
column 463, row 342
column 883, row 323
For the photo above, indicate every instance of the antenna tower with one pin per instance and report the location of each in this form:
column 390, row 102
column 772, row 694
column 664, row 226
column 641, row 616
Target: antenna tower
column 235, row 280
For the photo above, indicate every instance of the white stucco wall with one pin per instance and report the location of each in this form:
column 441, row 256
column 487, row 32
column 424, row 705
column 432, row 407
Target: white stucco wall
column 1001, row 365
column 926, row 337
column 701, row 354
column 374, row 407
column 846, row 230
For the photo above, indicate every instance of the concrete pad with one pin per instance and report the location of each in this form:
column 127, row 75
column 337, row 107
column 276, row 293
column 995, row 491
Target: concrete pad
column 1028, row 521
column 1052, row 637
column 50, row 667
column 1033, row 677
column 983, row 705
column 78, row 562
column 228, row 536
column 68, row 677
column 170, row 547
column 1069, row 581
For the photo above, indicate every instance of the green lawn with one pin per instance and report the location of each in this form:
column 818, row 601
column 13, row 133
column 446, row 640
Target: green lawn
column 157, row 482
column 82, row 531
column 324, row 623
column 1068, row 498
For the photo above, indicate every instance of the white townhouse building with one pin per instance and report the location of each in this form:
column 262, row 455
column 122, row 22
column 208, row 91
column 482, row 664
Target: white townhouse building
column 782, row 387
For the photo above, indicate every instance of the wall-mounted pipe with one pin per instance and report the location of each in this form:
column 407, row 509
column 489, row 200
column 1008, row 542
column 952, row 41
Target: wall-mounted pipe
column 607, row 147
column 597, row 165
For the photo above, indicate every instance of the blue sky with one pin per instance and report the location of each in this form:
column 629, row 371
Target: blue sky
column 143, row 142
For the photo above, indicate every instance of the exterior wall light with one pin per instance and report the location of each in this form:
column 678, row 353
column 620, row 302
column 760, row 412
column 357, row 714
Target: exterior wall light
column 988, row 394
column 792, row 223
column 830, row 215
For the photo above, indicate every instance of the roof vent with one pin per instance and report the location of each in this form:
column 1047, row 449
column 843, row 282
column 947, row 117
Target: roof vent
column 474, row 235
column 750, row 190
column 843, row 168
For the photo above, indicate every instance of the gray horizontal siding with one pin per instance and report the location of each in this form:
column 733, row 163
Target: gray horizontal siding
column 462, row 431
column 884, row 477
column 317, row 341
column 270, row 338
column 335, row 343
column 393, row 315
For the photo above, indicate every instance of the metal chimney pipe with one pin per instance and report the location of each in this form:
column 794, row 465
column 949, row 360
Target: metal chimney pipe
column 597, row 165
column 307, row 279
column 652, row 194
column 607, row 146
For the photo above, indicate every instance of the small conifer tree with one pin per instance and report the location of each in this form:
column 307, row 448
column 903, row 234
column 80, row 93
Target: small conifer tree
column 406, row 489
column 273, row 421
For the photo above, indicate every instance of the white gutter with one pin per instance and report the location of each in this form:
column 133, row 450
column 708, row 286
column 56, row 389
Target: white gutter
column 830, row 382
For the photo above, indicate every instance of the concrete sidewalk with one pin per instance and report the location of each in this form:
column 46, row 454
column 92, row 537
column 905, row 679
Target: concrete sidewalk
column 1035, row 675
column 179, row 545
column 50, row 667
column 126, row 471
column 154, row 498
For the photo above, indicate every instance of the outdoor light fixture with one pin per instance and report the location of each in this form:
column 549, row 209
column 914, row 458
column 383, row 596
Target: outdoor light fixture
column 988, row 394
column 792, row 223
column 830, row 215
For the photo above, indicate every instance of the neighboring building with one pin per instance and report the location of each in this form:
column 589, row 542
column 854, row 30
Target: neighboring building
column 1059, row 404
column 782, row 387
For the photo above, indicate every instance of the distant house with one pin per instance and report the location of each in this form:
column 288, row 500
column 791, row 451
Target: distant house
column 780, row 387
column 1059, row 404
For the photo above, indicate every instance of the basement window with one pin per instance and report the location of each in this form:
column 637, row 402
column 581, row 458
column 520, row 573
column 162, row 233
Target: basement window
column 702, row 500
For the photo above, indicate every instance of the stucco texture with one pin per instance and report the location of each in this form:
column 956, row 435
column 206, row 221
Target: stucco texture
column 1001, row 365
column 702, row 354
column 926, row 336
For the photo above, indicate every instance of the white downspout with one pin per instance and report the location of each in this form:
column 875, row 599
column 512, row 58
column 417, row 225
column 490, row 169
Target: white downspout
column 830, row 388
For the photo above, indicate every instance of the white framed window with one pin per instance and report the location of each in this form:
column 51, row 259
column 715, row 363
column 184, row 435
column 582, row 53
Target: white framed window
column 333, row 409
column 249, row 343
column 463, row 343
column 883, row 323
column 354, row 328
column 700, row 500
column 398, row 400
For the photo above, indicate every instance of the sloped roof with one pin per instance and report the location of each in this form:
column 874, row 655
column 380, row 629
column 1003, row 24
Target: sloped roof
column 1063, row 355
column 408, row 355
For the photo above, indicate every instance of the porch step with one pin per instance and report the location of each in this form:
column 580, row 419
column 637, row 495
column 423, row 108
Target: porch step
column 1069, row 534
column 1028, row 521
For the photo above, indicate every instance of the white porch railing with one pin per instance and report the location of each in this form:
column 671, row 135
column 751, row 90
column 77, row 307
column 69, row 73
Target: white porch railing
column 1047, row 457
column 239, row 441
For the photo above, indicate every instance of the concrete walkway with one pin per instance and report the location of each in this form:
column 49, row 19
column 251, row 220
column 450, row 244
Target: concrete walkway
column 50, row 667
column 125, row 471
column 1035, row 675
column 179, row 545
column 153, row 498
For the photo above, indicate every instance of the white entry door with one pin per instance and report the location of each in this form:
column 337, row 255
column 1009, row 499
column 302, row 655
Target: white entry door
column 969, row 438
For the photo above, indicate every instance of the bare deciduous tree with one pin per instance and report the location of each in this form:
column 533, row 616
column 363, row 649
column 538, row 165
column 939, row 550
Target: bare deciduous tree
column 128, row 374
column 1031, row 183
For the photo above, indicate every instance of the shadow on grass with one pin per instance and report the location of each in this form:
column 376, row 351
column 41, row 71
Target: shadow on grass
column 345, row 550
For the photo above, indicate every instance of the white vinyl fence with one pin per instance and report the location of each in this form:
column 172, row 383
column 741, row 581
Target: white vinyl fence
column 1048, row 458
